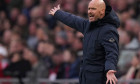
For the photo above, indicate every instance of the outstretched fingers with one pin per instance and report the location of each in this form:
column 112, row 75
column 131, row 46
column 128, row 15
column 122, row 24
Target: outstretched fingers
column 58, row 6
column 107, row 81
column 52, row 11
column 111, row 81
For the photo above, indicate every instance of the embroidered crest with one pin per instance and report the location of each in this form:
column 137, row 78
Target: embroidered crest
column 111, row 40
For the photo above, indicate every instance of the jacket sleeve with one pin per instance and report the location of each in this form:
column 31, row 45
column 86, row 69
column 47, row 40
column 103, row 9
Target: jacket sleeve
column 110, row 44
column 73, row 21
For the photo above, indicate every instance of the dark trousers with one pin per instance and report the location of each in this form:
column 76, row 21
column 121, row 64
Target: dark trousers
column 88, row 77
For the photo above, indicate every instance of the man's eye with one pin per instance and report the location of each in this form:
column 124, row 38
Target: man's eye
column 91, row 8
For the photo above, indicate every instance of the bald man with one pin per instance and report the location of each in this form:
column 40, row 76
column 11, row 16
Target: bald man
column 100, row 42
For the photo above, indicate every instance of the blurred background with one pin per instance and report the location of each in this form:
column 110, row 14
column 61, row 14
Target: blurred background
column 34, row 45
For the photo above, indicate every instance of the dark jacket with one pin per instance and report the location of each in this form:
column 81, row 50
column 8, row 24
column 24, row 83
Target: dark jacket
column 100, row 43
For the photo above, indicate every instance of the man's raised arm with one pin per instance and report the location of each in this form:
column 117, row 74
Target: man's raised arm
column 73, row 21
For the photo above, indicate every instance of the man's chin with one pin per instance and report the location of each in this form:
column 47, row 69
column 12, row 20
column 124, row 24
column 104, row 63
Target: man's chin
column 91, row 20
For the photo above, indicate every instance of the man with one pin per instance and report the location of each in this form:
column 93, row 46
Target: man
column 100, row 43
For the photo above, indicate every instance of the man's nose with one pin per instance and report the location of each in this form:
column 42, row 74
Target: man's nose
column 89, row 11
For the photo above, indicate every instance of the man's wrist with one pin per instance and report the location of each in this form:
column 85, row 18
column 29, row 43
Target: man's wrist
column 111, row 71
column 56, row 12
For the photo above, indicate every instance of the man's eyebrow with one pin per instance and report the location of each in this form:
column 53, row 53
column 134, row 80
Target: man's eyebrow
column 92, row 8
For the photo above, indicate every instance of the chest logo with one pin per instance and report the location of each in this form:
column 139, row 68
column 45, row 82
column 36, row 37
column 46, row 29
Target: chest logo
column 111, row 40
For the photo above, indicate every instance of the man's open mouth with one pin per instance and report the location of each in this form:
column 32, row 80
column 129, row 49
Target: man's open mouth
column 91, row 16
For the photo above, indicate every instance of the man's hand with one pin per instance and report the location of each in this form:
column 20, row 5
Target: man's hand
column 111, row 77
column 52, row 11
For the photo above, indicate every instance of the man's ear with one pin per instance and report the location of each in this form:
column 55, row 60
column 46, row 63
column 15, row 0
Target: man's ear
column 102, row 13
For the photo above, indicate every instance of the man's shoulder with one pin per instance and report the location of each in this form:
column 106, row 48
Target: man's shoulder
column 108, row 28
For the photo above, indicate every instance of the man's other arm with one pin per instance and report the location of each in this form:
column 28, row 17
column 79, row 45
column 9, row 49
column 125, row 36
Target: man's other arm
column 110, row 43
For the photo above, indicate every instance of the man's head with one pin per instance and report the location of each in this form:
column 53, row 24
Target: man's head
column 96, row 10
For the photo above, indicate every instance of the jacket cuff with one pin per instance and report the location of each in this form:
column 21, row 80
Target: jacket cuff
column 110, row 66
column 57, row 14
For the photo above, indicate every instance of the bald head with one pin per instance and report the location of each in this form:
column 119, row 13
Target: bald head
column 99, row 3
column 96, row 10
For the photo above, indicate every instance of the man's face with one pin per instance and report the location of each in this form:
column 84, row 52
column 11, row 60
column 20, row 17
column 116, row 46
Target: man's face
column 93, row 11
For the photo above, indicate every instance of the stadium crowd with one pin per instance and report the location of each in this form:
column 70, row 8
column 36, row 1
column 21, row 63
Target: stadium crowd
column 34, row 44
